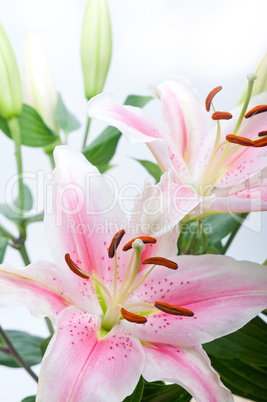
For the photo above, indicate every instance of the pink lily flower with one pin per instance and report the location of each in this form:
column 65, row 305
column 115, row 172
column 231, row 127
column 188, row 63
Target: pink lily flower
column 123, row 312
column 231, row 177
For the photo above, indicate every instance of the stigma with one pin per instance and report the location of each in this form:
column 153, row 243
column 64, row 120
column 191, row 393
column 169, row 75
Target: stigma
column 117, row 302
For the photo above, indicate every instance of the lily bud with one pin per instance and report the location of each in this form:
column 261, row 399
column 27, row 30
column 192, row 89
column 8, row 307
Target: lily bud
column 38, row 88
column 260, row 85
column 10, row 94
column 96, row 46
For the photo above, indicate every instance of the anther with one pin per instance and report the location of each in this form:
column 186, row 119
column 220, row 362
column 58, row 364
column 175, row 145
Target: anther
column 211, row 96
column 236, row 139
column 114, row 244
column 145, row 239
column 74, row 268
column 131, row 317
column 161, row 261
column 262, row 133
column 262, row 142
column 256, row 110
column 221, row 116
column 174, row 310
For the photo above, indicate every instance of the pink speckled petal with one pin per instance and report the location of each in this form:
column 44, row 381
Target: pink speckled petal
column 90, row 369
column 223, row 293
column 37, row 287
column 246, row 161
column 188, row 367
column 82, row 214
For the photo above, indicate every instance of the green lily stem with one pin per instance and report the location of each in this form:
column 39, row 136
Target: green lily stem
column 24, row 254
column 86, row 133
column 7, row 233
column 17, row 357
column 234, row 232
column 14, row 128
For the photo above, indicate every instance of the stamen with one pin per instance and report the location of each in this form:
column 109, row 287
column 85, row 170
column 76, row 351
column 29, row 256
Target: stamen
column 131, row 317
column 236, row 139
column 74, row 268
column 170, row 309
column 161, row 261
column 256, row 110
column 261, row 142
column 145, row 239
column 262, row 133
column 221, row 116
column 211, row 96
column 115, row 242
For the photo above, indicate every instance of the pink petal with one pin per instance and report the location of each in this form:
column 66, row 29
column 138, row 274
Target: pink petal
column 83, row 216
column 185, row 118
column 160, row 207
column 79, row 367
column 188, row 367
column 138, row 126
column 223, row 293
column 135, row 123
column 37, row 287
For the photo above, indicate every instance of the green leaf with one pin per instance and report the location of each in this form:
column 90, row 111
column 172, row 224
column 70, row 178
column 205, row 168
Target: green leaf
column 27, row 345
column 248, row 344
column 29, row 399
column 65, row 119
column 34, row 132
column 242, row 379
column 136, row 396
column 160, row 392
column 152, row 169
column 28, row 201
column 44, row 344
column 137, row 100
column 221, row 225
column 103, row 148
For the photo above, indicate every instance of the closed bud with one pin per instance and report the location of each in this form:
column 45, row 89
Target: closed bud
column 96, row 46
column 10, row 94
column 38, row 88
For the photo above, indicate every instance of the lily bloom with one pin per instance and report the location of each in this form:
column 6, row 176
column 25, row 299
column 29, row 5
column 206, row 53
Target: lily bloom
column 125, row 311
column 231, row 177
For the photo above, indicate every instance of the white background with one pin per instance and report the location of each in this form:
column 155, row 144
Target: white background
column 209, row 42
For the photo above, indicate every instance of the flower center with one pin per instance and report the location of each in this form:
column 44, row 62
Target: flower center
column 223, row 150
column 115, row 302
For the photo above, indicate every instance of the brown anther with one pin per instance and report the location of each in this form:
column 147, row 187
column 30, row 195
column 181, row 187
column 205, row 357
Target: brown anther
column 145, row 239
column 262, row 142
column 262, row 133
column 161, row 261
column 74, row 268
column 170, row 309
column 256, row 110
column 221, row 116
column 210, row 97
column 137, row 319
column 114, row 244
column 236, row 139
